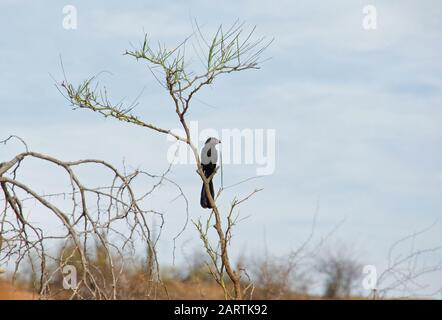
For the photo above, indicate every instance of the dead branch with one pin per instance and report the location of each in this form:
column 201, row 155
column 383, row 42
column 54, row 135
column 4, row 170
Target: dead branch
column 229, row 51
column 109, row 220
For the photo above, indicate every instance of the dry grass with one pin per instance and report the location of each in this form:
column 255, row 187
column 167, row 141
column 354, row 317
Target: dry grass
column 273, row 279
column 10, row 292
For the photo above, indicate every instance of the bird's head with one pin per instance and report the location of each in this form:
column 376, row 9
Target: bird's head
column 212, row 141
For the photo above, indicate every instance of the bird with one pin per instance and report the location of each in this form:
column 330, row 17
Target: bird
column 209, row 158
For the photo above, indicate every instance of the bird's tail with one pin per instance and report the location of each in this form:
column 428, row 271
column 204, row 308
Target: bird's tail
column 204, row 200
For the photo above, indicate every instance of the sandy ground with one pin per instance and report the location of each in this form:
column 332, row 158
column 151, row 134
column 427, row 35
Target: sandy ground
column 8, row 292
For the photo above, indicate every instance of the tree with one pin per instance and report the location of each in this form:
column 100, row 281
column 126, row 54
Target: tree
column 228, row 51
column 341, row 272
column 98, row 226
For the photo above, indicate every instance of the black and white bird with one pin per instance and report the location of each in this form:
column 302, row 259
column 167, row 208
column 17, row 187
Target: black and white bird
column 209, row 158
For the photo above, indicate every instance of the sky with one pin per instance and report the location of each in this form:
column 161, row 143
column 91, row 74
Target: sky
column 357, row 113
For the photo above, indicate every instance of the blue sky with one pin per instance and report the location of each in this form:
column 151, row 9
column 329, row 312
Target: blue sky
column 357, row 113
